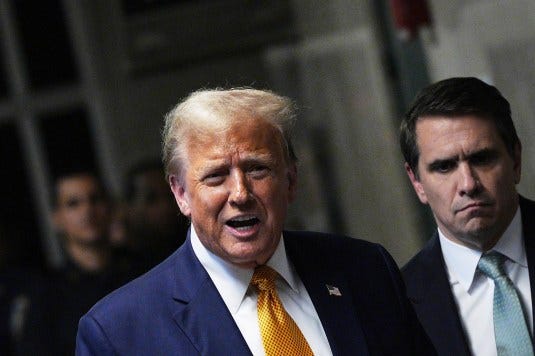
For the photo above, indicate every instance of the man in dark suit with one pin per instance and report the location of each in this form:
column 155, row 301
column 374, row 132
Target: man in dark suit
column 232, row 170
column 463, row 157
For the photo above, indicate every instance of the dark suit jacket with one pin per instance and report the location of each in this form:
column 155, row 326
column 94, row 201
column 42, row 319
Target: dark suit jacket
column 175, row 308
column 429, row 289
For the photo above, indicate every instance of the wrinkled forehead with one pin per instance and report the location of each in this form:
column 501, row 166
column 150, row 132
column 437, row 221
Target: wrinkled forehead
column 248, row 135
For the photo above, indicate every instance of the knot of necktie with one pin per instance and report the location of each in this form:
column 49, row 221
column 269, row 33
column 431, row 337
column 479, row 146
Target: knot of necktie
column 264, row 278
column 491, row 264
column 280, row 334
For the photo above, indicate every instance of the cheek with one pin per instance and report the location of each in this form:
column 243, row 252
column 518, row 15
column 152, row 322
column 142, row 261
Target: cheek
column 275, row 198
column 439, row 197
column 74, row 225
column 208, row 203
column 103, row 213
column 505, row 188
column 73, row 217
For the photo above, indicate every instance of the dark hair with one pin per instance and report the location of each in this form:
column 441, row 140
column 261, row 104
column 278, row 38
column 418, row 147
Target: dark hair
column 452, row 98
column 75, row 173
column 149, row 165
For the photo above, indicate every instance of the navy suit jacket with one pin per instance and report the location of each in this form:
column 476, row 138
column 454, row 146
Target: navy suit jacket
column 175, row 309
column 429, row 289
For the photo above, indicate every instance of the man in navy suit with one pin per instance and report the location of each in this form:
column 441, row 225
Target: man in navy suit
column 232, row 170
column 463, row 157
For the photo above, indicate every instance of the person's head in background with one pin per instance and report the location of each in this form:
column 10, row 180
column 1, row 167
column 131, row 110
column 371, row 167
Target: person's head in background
column 81, row 214
column 118, row 225
column 153, row 219
column 463, row 157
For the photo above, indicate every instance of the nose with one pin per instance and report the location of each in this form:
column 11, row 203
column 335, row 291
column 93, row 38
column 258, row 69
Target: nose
column 239, row 189
column 468, row 181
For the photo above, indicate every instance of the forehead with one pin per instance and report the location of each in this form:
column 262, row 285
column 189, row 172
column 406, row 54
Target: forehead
column 76, row 185
column 249, row 136
column 438, row 133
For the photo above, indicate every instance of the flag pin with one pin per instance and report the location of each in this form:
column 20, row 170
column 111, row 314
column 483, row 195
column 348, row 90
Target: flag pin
column 333, row 290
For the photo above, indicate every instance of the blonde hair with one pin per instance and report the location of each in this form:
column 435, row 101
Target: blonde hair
column 213, row 110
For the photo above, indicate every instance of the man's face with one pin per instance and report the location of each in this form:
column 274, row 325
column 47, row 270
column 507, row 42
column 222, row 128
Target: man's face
column 82, row 212
column 467, row 177
column 236, row 189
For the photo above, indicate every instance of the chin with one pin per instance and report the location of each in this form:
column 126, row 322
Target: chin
column 481, row 237
column 248, row 259
column 92, row 240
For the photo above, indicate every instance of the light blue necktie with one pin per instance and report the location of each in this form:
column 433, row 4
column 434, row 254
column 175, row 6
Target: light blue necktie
column 510, row 328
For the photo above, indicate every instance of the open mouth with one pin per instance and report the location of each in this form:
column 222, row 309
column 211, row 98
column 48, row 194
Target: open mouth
column 243, row 222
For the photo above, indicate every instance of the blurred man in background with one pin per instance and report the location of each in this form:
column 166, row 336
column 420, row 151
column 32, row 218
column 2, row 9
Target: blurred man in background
column 81, row 215
column 155, row 228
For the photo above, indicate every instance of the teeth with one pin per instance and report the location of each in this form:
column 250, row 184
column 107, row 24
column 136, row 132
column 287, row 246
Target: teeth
column 243, row 218
column 243, row 222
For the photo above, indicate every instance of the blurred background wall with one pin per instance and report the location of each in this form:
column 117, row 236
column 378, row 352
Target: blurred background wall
column 90, row 80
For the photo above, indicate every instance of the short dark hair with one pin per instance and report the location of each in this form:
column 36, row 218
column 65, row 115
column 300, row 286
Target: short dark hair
column 75, row 173
column 455, row 97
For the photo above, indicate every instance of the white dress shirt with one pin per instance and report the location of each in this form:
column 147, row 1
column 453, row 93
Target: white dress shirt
column 232, row 283
column 474, row 292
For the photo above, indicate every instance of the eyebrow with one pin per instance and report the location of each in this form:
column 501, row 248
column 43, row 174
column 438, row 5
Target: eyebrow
column 262, row 158
column 484, row 152
column 433, row 166
column 249, row 159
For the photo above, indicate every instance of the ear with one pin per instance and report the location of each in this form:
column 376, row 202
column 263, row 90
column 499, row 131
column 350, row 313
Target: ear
column 180, row 195
column 416, row 184
column 517, row 162
column 292, row 181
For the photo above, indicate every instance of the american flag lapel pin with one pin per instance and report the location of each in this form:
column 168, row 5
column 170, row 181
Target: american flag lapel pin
column 333, row 290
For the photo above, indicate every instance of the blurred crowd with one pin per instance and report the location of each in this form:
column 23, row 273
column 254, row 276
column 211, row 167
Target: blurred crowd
column 106, row 242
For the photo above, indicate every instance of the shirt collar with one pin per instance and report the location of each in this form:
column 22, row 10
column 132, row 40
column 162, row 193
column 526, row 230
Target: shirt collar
column 232, row 282
column 461, row 261
column 511, row 244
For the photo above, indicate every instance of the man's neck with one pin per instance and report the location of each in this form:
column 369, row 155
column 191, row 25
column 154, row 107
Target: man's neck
column 89, row 258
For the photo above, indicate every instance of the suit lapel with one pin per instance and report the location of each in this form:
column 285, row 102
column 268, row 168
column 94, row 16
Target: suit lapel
column 435, row 305
column 201, row 312
column 337, row 313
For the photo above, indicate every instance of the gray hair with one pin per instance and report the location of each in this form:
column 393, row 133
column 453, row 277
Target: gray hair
column 214, row 110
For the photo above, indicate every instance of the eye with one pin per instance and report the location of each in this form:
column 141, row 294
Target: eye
column 443, row 166
column 483, row 158
column 214, row 178
column 258, row 170
column 72, row 203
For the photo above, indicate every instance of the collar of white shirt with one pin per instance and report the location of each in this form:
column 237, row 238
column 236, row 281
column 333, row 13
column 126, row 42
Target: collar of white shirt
column 232, row 281
column 461, row 261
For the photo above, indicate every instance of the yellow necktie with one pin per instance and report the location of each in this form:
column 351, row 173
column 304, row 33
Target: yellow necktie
column 280, row 334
